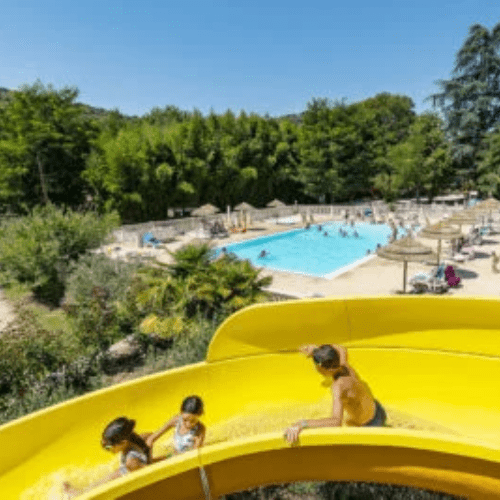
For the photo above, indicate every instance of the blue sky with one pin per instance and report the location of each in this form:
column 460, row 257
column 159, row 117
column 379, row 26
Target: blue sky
column 261, row 56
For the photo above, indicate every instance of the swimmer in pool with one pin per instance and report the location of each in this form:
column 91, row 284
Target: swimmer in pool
column 356, row 235
column 263, row 254
column 352, row 400
column 135, row 450
column 189, row 432
column 325, row 233
column 320, row 227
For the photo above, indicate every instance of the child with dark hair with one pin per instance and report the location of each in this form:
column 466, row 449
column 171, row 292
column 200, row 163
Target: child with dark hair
column 189, row 432
column 349, row 393
column 135, row 449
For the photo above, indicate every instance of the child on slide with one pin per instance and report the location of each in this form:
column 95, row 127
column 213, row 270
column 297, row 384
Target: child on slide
column 349, row 393
column 135, row 449
column 189, row 432
column 118, row 437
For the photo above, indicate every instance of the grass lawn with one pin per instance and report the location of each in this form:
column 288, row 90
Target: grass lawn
column 48, row 319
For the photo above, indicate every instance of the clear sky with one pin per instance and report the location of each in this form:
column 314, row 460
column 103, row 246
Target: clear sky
column 260, row 56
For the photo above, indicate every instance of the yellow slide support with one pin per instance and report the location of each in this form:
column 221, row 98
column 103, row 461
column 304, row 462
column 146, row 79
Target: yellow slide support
column 433, row 363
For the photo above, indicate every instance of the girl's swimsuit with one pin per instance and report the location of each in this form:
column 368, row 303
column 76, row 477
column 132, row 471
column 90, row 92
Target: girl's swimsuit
column 135, row 452
column 379, row 418
column 184, row 442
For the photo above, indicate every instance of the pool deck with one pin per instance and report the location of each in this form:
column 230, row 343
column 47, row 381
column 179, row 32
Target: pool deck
column 373, row 276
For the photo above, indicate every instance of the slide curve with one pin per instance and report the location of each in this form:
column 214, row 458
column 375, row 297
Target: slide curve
column 433, row 362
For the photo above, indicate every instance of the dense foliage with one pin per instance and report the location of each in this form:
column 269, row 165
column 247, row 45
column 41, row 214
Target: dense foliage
column 54, row 149
column 44, row 142
column 175, row 308
column 470, row 100
column 337, row 491
column 38, row 249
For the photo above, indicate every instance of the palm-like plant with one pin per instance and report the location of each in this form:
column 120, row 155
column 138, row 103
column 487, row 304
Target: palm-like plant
column 169, row 297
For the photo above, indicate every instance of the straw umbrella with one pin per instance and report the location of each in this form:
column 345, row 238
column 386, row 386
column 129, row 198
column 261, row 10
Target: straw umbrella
column 205, row 210
column 276, row 204
column 440, row 231
column 463, row 217
column 406, row 250
column 243, row 207
column 487, row 206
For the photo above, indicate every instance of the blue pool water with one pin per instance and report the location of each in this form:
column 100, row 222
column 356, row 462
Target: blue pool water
column 309, row 251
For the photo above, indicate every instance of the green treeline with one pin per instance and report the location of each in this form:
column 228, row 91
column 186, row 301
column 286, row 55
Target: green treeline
column 53, row 149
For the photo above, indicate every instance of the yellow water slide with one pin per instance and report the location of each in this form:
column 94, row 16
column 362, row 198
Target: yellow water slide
column 433, row 363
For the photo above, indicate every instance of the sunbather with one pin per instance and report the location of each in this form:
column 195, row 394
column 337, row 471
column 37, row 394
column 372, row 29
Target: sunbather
column 349, row 393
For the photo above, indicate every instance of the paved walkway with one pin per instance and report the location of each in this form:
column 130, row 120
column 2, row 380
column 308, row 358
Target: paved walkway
column 6, row 311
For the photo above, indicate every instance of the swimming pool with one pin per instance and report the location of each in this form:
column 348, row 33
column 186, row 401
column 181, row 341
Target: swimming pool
column 310, row 251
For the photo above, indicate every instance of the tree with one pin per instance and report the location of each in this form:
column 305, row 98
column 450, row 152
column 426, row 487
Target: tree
column 422, row 161
column 488, row 181
column 470, row 100
column 44, row 143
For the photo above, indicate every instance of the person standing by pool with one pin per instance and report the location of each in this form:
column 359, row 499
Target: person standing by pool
column 350, row 395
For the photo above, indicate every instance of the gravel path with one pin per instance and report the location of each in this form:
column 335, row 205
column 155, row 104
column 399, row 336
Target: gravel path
column 6, row 311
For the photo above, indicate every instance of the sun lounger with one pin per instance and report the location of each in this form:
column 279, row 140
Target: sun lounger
column 459, row 257
column 433, row 281
column 149, row 239
column 485, row 230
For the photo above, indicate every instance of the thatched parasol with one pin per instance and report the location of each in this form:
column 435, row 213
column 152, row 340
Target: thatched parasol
column 406, row 250
column 486, row 207
column 488, row 204
column 276, row 204
column 463, row 217
column 242, row 207
column 440, row 231
column 205, row 210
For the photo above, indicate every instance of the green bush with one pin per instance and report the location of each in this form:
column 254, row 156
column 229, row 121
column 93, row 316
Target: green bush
column 29, row 352
column 96, row 292
column 39, row 248
column 97, row 270
column 169, row 296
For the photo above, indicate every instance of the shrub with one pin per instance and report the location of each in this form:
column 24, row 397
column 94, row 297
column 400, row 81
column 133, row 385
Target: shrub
column 170, row 296
column 29, row 352
column 39, row 248
column 95, row 298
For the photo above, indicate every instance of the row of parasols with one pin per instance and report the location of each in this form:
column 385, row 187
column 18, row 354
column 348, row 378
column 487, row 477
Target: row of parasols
column 410, row 250
column 209, row 209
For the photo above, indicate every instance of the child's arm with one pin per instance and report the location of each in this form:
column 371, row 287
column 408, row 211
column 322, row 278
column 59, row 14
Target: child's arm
column 292, row 433
column 307, row 349
column 200, row 437
column 150, row 440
